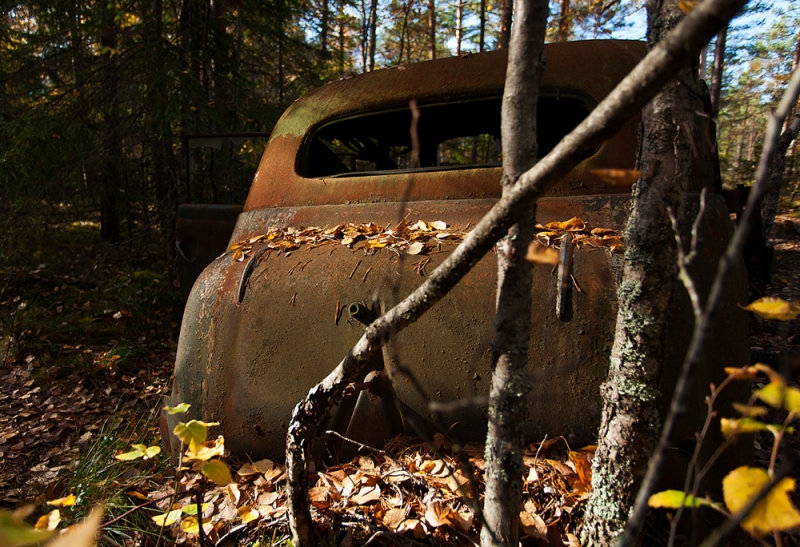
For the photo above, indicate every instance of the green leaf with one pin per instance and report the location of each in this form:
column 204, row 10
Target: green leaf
column 673, row 499
column 217, row 471
column 177, row 409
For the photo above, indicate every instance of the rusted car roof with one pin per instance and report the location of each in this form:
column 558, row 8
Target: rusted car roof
column 587, row 69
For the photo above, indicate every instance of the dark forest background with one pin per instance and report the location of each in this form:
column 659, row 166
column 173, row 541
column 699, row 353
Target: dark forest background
column 113, row 112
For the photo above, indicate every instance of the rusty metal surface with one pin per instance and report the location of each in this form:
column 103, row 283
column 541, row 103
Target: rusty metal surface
column 201, row 234
column 247, row 364
column 590, row 69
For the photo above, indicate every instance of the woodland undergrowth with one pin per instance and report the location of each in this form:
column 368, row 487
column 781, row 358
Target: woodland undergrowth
column 88, row 334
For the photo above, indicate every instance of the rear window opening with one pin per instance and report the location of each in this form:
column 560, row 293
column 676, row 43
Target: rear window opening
column 451, row 136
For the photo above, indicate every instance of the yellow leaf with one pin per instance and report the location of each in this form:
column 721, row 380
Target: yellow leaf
column 217, row 471
column 687, row 5
column 673, row 499
column 771, row 307
column 193, row 433
column 572, row 225
column 749, row 411
column 742, row 373
column 63, row 502
column 191, row 509
column 777, row 394
column 49, row 521
column 190, row 525
column 774, row 512
column 438, row 225
column 247, row 514
column 730, row 427
column 169, row 518
column 139, row 451
column 207, row 450
column 83, row 534
column 254, row 468
column 421, row 225
column 177, row 409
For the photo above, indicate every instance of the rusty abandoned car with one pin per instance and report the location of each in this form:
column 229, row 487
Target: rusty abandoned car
column 272, row 315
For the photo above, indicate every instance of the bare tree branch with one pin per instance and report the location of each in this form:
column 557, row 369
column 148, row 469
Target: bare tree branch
column 658, row 67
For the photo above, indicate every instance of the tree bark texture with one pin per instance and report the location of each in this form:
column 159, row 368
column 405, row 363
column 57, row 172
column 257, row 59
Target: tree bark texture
column 506, row 13
column 630, row 419
column 112, row 140
column 704, row 324
column 625, row 101
column 718, row 70
column 510, row 382
column 432, row 28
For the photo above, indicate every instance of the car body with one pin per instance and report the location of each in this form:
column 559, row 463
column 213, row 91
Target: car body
column 266, row 322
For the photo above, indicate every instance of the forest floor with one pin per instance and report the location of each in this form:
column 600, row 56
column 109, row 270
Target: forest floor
column 88, row 333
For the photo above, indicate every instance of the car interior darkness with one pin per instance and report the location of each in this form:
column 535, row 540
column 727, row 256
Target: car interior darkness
column 455, row 135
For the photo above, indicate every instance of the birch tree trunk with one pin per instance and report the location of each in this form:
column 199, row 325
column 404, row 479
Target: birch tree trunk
column 630, row 420
column 510, row 382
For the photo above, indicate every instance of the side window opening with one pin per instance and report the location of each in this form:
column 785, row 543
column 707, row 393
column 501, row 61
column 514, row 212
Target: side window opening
column 456, row 135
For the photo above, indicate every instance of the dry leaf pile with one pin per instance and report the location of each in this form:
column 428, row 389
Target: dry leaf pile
column 44, row 429
column 406, row 491
column 414, row 239
column 422, row 238
column 552, row 233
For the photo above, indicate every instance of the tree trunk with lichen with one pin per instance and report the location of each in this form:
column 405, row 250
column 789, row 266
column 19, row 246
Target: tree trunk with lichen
column 510, row 383
column 630, row 420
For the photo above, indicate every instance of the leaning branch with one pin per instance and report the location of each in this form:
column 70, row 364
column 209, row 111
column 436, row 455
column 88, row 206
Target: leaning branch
column 680, row 46
column 701, row 336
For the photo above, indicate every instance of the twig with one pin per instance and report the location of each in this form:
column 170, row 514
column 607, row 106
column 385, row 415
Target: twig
column 443, row 407
column 142, row 506
column 198, row 499
column 354, row 269
column 683, row 263
column 361, row 446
